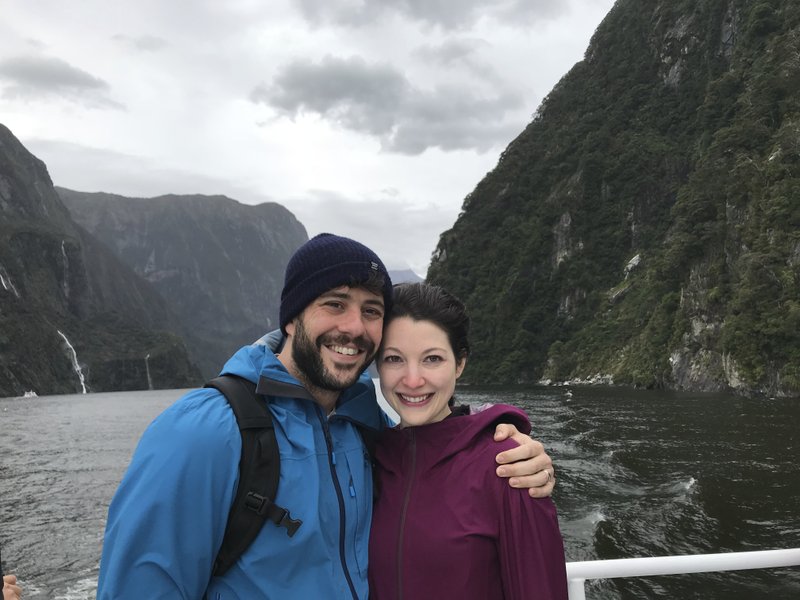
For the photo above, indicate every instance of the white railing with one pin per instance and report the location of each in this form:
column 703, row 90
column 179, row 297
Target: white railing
column 579, row 572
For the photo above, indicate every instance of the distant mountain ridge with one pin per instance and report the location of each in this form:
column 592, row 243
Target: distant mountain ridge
column 645, row 227
column 218, row 263
column 404, row 276
column 63, row 291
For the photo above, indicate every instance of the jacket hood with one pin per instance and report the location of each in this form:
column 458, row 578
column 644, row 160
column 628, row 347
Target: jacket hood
column 454, row 434
column 258, row 363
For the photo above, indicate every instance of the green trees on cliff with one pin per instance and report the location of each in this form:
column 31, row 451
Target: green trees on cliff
column 675, row 141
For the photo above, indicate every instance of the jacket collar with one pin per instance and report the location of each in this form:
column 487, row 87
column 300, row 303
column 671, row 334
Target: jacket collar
column 357, row 403
column 259, row 364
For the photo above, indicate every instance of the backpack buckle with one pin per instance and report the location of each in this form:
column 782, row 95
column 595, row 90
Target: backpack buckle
column 292, row 525
column 265, row 507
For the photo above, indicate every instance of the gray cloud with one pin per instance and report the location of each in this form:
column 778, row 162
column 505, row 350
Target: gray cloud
column 378, row 100
column 46, row 72
column 442, row 13
column 350, row 92
column 37, row 76
column 459, row 52
column 454, row 119
column 452, row 50
column 35, row 44
column 147, row 43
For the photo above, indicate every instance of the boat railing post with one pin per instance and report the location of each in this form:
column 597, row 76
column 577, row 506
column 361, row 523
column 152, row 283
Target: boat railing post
column 576, row 589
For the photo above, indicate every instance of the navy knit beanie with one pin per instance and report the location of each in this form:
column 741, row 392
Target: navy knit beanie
column 323, row 263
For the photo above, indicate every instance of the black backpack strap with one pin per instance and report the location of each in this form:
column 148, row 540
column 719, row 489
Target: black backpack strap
column 259, row 472
column 370, row 438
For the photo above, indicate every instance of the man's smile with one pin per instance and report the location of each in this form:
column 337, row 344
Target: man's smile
column 345, row 350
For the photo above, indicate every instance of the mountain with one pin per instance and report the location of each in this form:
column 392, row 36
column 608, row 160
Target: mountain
column 404, row 276
column 72, row 316
column 218, row 263
column 644, row 228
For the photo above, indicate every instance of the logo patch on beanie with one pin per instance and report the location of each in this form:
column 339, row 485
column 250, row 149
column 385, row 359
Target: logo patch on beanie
column 374, row 266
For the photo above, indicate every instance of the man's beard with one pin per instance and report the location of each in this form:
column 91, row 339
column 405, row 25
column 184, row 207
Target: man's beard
column 307, row 357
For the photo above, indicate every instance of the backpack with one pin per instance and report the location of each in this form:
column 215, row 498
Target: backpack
column 259, row 471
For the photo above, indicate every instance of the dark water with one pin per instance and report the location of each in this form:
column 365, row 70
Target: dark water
column 658, row 473
column 639, row 474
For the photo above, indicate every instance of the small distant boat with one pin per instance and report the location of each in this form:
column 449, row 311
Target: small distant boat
column 30, row 394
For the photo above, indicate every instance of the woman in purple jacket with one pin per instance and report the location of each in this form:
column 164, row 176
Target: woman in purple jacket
column 444, row 526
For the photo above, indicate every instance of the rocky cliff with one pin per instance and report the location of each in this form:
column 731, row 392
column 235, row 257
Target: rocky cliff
column 218, row 263
column 645, row 227
column 70, row 311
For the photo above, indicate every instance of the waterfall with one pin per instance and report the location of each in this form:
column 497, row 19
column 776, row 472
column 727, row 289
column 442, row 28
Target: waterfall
column 5, row 280
column 75, row 364
column 65, row 283
column 147, row 367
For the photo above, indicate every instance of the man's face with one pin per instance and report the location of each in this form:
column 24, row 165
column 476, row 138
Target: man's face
column 336, row 337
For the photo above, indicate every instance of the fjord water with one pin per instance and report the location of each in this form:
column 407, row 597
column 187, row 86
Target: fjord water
column 639, row 474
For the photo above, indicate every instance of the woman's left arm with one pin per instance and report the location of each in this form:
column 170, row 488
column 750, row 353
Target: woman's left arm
column 532, row 562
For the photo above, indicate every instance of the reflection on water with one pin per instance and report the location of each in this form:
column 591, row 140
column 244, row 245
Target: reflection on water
column 639, row 474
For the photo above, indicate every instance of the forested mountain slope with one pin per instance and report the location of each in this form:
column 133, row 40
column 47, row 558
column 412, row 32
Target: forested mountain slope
column 645, row 226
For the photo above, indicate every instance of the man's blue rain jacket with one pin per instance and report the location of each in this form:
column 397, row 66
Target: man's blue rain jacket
column 167, row 519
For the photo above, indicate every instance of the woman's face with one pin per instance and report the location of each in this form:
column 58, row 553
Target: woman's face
column 418, row 371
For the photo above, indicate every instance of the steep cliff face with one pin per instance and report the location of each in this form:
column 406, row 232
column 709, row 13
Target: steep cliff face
column 68, row 308
column 218, row 263
column 645, row 226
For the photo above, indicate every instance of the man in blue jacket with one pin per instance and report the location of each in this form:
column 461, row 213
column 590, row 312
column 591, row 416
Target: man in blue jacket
column 167, row 519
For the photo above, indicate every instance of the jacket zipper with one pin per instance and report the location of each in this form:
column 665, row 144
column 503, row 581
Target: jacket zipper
column 340, row 498
column 406, row 499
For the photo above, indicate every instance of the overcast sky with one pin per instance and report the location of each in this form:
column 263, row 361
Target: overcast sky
column 367, row 118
